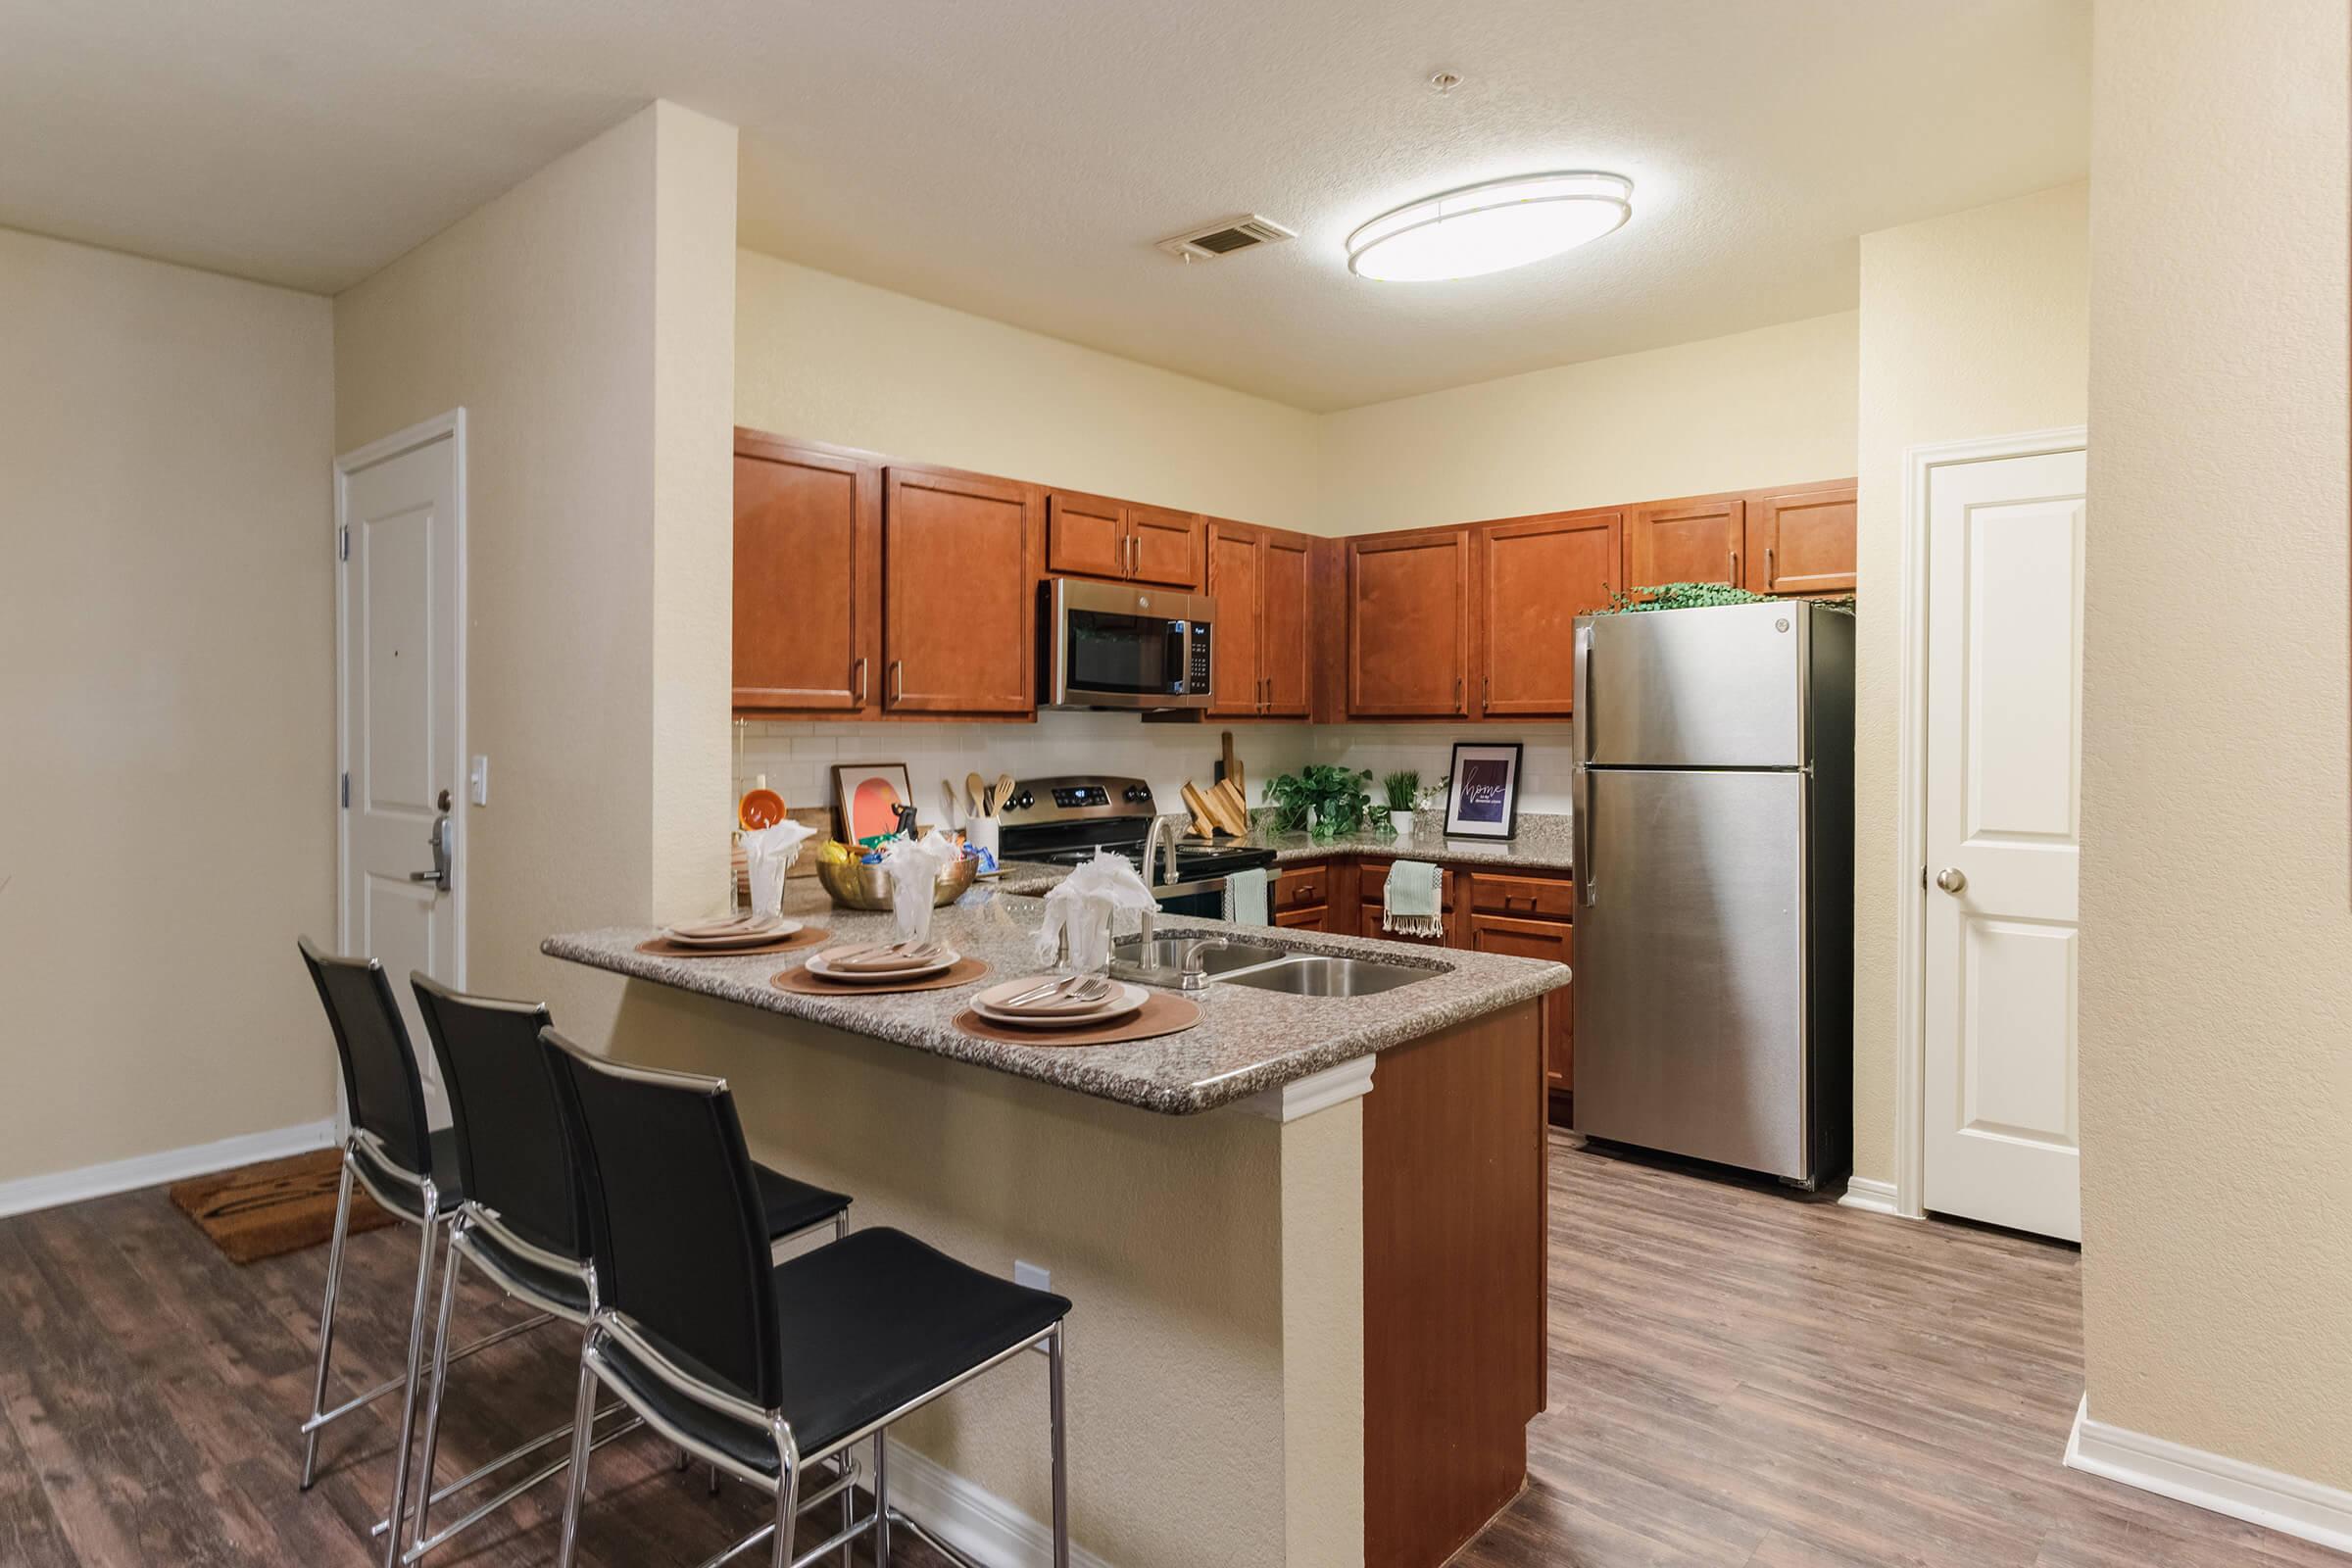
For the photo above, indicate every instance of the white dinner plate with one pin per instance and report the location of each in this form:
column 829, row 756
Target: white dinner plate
column 1118, row 1004
column 948, row 959
column 749, row 936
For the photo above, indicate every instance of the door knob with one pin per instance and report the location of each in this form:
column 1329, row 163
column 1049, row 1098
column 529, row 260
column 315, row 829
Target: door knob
column 1952, row 879
column 439, row 839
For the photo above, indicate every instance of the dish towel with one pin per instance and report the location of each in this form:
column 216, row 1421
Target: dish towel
column 1245, row 896
column 1410, row 903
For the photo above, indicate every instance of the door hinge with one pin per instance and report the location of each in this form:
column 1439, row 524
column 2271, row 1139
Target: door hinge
column 343, row 544
column 346, row 797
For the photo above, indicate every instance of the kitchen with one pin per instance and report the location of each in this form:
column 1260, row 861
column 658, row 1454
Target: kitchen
column 1734, row 1121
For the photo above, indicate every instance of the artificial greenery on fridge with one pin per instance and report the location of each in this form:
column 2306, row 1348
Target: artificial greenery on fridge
column 1697, row 595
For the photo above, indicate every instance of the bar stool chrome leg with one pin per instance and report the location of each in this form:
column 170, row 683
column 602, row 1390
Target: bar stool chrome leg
column 882, row 1499
column 407, row 1396
column 433, row 1408
column 788, row 1495
column 584, row 1416
column 326, row 1319
column 1061, row 1469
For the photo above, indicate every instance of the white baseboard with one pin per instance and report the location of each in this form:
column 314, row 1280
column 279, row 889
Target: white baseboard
column 29, row 1192
column 2271, row 1498
column 971, row 1518
column 1863, row 1192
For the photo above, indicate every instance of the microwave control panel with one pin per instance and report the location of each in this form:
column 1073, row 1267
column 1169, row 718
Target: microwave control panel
column 1197, row 681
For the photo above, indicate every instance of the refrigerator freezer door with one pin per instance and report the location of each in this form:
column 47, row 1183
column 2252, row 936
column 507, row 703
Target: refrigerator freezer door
column 1694, row 688
column 1690, row 991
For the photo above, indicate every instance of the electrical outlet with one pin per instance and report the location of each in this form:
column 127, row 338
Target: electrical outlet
column 1029, row 1274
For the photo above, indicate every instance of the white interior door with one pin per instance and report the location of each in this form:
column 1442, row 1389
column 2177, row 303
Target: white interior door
column 400, row 655
column 2003, row 799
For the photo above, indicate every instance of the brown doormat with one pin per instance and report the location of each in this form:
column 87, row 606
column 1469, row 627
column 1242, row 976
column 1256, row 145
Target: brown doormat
column 280, row 1205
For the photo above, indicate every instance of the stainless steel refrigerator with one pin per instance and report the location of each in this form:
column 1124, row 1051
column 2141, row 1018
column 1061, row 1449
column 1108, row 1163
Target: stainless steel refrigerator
column 1714, row 819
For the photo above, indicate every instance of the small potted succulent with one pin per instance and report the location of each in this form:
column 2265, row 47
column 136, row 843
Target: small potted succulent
column 1402, row 789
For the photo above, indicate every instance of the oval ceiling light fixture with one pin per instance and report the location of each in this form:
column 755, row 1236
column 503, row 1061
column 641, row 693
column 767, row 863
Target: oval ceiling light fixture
column 1489, row 228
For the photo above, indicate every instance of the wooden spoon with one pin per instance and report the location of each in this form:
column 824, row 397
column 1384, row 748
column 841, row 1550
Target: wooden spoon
column 977, row 787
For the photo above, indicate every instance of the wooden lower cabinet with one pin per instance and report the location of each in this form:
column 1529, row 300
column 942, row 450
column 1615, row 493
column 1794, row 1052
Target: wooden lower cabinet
column 1318, row 918
column 1538, row 939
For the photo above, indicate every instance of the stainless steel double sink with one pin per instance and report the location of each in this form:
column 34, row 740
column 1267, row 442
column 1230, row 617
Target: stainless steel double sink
column 1263, row 967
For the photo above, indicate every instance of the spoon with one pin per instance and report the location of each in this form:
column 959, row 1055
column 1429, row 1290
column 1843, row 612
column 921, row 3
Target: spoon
column 977, row 787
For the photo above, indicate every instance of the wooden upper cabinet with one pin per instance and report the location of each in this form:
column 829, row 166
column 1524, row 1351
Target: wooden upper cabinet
column 1535, row 576
column 1095, row 536
column 1802, row 541
column 1235, row 580
column 1086, row 536
column 1685, row 541
column 808, row 577
column 1166, row 547
column 959, row 593
column 1283, row 640
column 1409, row 624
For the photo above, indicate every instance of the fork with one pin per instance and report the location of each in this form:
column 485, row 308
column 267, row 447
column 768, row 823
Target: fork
column 1068, row 983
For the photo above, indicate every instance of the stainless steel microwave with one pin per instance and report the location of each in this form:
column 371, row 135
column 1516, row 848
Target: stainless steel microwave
column 1111, row 645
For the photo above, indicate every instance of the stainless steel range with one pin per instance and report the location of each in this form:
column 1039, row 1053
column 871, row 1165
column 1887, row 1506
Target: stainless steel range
column 1062, row 822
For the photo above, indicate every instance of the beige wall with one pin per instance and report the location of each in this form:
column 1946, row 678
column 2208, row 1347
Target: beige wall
column 2217, row 995
column 572, row 318
column 166, row 681
column 824, row 359
column 1760, row 408
column 1972, row 324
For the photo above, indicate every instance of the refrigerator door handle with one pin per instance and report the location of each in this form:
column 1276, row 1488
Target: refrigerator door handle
column 1580, row 818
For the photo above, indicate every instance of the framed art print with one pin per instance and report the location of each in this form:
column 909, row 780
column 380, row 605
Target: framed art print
column 866, row 797
column 1483, row 800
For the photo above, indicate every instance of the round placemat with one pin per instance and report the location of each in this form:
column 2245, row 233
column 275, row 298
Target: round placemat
column 963, row 972
column 1160, row 1015
column 807, row 936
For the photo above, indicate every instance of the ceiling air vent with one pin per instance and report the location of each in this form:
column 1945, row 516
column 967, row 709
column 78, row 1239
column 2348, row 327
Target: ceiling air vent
column 1246, row 232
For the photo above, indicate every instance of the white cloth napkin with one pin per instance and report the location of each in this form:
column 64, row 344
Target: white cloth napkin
column 768, row 855
column 914, row 865
column 1081, row 908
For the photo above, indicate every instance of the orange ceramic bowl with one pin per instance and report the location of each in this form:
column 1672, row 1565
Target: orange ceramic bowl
column 759, row 808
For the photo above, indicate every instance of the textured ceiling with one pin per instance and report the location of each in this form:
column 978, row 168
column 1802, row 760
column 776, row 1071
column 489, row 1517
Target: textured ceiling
column 1018, row 158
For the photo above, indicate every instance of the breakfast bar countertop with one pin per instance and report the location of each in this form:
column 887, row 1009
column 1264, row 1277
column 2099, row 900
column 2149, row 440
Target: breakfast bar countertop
column 1247, row 1041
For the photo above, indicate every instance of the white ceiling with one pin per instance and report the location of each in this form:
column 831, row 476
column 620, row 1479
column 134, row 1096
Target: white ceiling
column 1018, row 158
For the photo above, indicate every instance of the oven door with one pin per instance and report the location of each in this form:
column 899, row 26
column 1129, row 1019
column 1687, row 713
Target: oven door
column 1110, row 646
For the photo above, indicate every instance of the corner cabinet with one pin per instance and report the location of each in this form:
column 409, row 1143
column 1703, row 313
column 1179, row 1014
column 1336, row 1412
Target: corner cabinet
column 959, row 593
column 807, row 577
column 1261, row 657
column 1409, row 625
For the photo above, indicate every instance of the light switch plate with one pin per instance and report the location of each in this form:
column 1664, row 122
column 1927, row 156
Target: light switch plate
column 478, row 781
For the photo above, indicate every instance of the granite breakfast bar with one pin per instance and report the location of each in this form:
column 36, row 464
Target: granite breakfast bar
column 1304, row 1237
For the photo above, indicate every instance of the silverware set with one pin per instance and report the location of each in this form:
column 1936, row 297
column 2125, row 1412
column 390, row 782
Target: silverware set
column 913, row 951
column 1074, row 987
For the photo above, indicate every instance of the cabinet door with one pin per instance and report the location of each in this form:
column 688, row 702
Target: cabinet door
column 1235, row 688
column 1802, row 541
column 1409, row 624
column 807, row 562
column 1283, row 640
column 1086, row 536
column 1165, row 547
column 1318, row 918
column 1685, row 541
column 1535, row 576
column 959, row 593
column 1538, row 939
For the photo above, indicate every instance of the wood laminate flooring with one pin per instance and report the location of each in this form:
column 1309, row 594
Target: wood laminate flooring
column 1741, row 1378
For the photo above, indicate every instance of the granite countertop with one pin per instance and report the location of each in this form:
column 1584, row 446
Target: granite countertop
column 1247, row 1041
column 1544, row 844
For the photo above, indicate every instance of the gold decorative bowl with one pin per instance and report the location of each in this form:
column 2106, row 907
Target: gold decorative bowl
column 857, row 885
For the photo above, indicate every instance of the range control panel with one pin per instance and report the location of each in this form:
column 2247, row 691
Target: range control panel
column 1077, row 796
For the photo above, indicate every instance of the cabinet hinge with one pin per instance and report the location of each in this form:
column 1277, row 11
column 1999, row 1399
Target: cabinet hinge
column 343, row 544
column 346, row 792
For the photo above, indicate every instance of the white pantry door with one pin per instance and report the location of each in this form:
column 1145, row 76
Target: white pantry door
column 400, row 654
column 2004, row 760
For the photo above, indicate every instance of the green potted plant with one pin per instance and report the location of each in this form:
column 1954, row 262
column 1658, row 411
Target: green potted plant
column 1401, row 788
column 1321, row 797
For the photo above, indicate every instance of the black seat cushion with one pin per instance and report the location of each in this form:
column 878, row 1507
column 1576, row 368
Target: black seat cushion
column 793, row 1205
column 550, row 1289
column 396, row 1188
column 869, row 1323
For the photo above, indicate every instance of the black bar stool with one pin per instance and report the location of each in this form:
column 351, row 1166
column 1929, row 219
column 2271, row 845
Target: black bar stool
column 758, row 1367
column 523, row 1220
column 406, row 1166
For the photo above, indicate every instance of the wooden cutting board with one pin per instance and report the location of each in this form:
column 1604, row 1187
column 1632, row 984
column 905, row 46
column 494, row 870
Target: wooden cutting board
column 1204, row 819
column 1233, row 806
